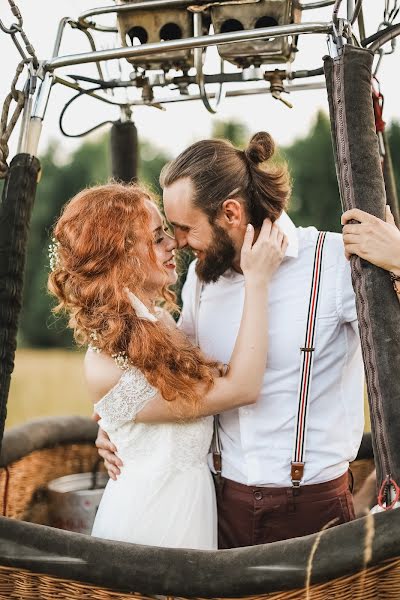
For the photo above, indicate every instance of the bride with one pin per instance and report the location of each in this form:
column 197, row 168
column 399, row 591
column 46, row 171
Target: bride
column 155, row 393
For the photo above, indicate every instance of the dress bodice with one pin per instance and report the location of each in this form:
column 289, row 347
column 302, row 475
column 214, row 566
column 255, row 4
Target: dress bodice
column 168, row 446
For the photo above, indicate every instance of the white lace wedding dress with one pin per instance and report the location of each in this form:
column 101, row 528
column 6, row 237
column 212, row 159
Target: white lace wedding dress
column 165, row 494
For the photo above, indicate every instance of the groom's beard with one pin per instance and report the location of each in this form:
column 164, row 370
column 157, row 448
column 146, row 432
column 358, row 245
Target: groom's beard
column 218, row 257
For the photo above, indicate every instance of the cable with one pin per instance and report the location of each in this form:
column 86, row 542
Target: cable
column 68, row 104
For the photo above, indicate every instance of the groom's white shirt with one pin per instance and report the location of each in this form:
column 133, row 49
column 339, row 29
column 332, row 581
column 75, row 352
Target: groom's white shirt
column 257, row 440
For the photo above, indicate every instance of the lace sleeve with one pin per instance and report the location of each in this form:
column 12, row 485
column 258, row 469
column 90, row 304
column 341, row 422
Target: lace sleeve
column 126, row 399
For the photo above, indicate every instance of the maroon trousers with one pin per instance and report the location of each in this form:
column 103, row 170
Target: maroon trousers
column 248, row 515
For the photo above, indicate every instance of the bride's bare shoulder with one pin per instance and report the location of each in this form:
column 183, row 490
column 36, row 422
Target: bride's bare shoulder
column 165, row 316
column 101, row 373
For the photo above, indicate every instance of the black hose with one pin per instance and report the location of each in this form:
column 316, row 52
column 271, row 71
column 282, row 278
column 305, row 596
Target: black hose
column 68, row 104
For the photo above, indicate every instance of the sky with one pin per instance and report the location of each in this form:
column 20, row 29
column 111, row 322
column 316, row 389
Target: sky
column 181, row 123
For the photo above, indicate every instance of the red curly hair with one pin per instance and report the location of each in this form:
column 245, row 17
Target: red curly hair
column 105, row 244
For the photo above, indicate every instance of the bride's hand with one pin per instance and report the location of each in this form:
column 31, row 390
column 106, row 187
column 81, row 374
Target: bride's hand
column 260, row 260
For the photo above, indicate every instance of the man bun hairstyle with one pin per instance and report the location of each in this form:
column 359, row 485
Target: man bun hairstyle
column 261, row 148
column 218, row 171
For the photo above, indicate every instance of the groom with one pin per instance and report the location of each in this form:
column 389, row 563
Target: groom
column 268, row 491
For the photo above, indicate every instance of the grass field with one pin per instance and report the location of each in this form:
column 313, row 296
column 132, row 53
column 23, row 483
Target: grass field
column 47, row 382
column 50, row 382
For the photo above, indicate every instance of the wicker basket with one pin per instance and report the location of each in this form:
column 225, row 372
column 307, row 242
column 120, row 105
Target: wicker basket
column 372, row 584
column 22, row 484
column 21, row 498
column 360, row 470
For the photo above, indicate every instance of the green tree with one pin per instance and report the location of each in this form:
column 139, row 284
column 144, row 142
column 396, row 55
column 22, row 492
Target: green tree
column 232, row 130
column 89, row 165
column 393, row 135
column 315, row 198
column 315, row 201
column 151, row 161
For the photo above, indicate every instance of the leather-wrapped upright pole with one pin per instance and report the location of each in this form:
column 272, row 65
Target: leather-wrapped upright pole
column 15, row 215
column 359, row 171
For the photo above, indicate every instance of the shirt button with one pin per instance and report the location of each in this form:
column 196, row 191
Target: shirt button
column 258, row 495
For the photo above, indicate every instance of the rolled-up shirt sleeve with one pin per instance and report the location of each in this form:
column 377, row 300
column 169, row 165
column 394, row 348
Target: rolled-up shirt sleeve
column 345, row 297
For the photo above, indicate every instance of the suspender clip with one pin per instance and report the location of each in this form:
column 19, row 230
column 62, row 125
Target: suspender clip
column 296, row 473
column 217, row 462
column 307, row 349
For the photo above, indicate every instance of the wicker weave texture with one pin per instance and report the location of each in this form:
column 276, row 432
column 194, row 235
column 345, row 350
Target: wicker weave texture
column 377, row 583
column 361, row 469
column 20, row 498
column 21, row 483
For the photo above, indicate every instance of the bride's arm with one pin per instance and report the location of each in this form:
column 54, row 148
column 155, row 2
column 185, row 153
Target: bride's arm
column 242, row 383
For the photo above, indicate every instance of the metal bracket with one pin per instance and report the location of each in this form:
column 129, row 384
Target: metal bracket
column 198, row 55
column 341, row 33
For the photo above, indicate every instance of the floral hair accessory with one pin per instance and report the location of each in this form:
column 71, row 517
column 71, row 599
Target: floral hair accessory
column 92, row 345
column 120, row 358
column 54, row 258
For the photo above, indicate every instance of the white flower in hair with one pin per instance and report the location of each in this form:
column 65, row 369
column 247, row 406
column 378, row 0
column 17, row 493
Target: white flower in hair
column 142, row 312
column 54, row 259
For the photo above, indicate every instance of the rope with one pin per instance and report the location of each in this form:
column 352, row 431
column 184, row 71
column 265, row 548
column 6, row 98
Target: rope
column 7, row 126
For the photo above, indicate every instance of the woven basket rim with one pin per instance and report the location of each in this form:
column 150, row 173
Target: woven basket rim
column 47, row 432
column 312, row 589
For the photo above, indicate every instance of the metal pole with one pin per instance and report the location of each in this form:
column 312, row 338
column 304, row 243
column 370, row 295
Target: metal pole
column 31, row 128
column 84, row 18
column 60, row 33
column 350, row 9
column 312, row 5
column 387, row 35
column 194, row 42
column 232, row 94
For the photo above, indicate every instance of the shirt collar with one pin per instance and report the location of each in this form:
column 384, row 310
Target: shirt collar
column 289, row 229
column 292, row 251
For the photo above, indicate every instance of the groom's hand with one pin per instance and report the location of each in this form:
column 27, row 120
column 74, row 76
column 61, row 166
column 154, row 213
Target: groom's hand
column 107, row 451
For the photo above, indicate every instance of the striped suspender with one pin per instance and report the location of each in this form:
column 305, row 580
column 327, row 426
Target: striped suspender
column 307, row 356
column 215, row 443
